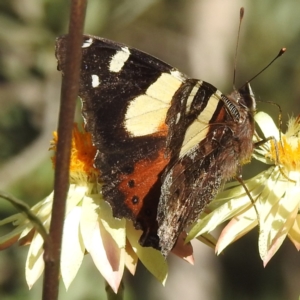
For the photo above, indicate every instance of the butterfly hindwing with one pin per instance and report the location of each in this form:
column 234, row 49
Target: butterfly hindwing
column 221, row 144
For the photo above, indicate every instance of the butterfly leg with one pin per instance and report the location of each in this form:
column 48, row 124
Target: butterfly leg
column 239, row 178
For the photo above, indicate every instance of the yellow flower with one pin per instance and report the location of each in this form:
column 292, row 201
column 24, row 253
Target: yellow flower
column 276, row 193
column 89, row 227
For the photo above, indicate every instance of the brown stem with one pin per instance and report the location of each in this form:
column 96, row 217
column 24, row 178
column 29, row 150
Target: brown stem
column 69, row 91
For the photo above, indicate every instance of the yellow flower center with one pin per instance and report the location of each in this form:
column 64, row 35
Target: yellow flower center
column 82, row 154
column 287, row 151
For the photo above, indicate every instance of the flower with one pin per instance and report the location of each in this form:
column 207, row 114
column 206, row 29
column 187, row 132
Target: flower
column 275, row 191
column 89, row 227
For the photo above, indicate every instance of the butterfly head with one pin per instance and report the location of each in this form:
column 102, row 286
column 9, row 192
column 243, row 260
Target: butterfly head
column 246, row 97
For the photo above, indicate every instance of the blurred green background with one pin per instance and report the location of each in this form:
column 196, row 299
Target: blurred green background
column 199, row 38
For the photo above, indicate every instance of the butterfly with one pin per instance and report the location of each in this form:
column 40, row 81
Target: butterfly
column 166, row 142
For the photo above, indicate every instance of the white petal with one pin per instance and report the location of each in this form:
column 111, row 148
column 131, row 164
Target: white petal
column 267, row 125
column 131, row 259
column 294, row 233
column 43, row 208
column 260, row 155
column 14, row 233
column 75, row 195
column 16, row 219
column 34, row 262
column 151, row 258
column 26, row 229
column 115, row 227
column 233, row 200
column 281, row 203
column 89, row 221
column 72, row 247
column 218, row 216
column 107, row 256
column 235, row 229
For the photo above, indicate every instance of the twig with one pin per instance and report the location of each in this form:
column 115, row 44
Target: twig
column 69, row 93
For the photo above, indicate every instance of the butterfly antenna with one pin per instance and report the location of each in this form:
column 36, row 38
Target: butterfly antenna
column 237, row 45
column 282, row 51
